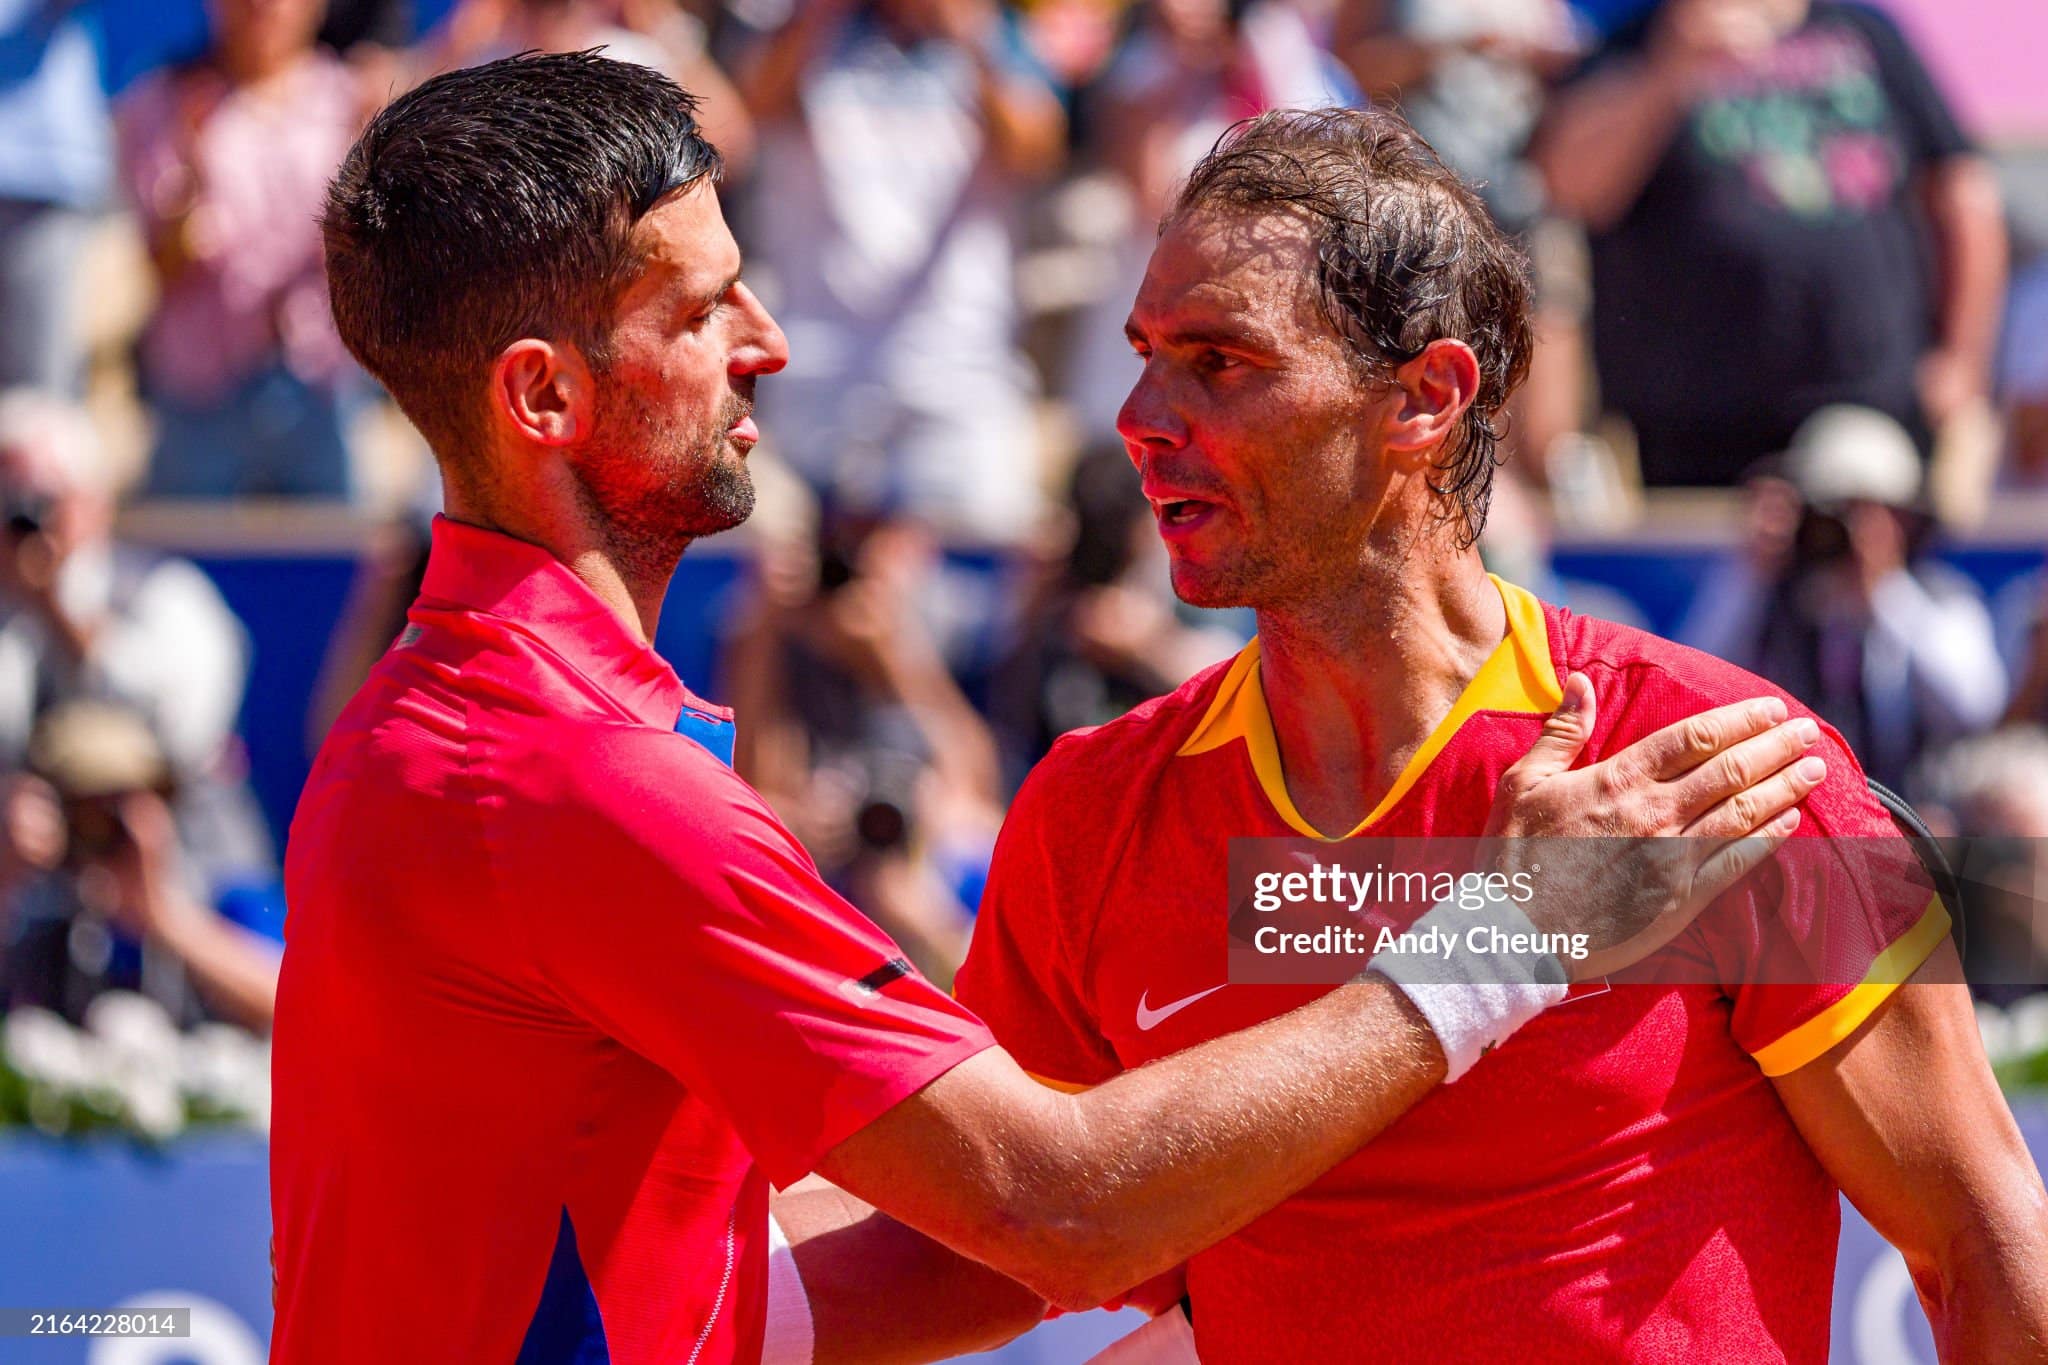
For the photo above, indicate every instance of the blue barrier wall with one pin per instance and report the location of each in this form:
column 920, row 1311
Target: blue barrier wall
column 291, row 606
column 102, row 1224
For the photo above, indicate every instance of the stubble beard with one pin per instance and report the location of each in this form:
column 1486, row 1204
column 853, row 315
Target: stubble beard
column 648, row 498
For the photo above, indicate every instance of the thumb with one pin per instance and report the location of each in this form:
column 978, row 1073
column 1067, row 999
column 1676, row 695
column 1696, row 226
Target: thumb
column 1565, row 732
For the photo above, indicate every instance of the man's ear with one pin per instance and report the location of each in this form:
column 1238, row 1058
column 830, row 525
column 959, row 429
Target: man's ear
column 545, row 392
column 1433, row 392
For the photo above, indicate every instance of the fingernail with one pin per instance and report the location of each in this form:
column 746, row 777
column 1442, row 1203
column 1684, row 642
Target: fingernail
column 1806, row 731
column 1574, row 697
column 1786, row 823
column 1773, row 709
column 1812, row 769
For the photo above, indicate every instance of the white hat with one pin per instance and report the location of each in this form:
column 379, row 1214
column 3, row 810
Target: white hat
column 1845, row 453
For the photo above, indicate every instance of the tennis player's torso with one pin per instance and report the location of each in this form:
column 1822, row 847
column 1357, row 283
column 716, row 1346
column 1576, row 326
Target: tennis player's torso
column 1617, row 1182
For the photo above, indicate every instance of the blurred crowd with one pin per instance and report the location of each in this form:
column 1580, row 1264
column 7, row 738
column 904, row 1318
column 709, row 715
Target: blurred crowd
column 1769, row 259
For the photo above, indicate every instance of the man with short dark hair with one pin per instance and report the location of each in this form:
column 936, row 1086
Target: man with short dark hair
column 1330, row 326
column 561, row 996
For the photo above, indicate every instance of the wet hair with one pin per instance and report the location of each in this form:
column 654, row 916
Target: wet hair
column 494, row 203
column 1405, row 255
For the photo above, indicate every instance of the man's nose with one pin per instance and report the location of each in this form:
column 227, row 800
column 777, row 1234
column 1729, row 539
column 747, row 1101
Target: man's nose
column 1147, row 421
column 764, row 349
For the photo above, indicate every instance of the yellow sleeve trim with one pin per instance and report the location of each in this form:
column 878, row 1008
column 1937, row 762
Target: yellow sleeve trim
column 1065, row 1087
column 1817, row 1035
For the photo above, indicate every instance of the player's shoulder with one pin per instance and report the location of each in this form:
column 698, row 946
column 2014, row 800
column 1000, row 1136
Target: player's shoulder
column 1643, row 682
column 1104, row 764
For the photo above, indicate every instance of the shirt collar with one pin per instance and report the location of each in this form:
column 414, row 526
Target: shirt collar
column 496, row 575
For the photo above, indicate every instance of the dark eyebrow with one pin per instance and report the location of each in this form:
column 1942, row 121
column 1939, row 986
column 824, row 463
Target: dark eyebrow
column 718, row 291
column 1223, row 337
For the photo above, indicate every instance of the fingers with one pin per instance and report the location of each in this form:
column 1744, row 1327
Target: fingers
column 1680, row 747
column 1740, row 785
column 1737, row 858
column 1565, row 732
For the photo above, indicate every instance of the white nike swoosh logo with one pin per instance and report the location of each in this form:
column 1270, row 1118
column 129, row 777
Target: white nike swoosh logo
column 1149, row 1019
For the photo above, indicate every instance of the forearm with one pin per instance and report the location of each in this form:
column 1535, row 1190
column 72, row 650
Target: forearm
column 1083, row 1196
column 1602, row 140
column 772, row 83
column 882, row 1293
column 1989, row 1301
column 1025, row 126
column 961, row 743
column 1968, row 223
column 1953, row 654
column 234, row 972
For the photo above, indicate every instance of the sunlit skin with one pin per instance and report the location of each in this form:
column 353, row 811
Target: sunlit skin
column 1285, row 480
column 618, row 472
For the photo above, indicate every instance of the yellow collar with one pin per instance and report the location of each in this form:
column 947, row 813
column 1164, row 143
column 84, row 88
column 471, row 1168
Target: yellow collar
column 1516, row 677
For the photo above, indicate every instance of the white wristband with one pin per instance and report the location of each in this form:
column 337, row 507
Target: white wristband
column 1473, row 999
column 791, row 1335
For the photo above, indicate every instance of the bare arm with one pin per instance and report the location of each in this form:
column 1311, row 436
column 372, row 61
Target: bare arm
column 937, row 1303
column 1906, row 1117
column 1604, row 136
column 1081, row 1196
column 1967, row 219
column 1027, row 129
column 771, row 82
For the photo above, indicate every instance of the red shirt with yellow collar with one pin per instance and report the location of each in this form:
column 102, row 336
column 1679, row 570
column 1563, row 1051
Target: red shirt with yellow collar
column 1618, row 1181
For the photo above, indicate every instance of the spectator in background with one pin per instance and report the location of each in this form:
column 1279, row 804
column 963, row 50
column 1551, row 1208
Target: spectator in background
column 121, row 674
column 92, row 851
column 1469, row 74
column 85, row 617
column 858, row 735
column 2023, row 374
column 1190, row 69
column 56, row 162
column 1835, row 603
column 227, row 162
column 1102, row 630
column 1768, row 183
column 1993, row 790
column 658, row 34
column 898, row 140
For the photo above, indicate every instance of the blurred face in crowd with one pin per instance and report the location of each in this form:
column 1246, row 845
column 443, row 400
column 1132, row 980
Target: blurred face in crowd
column 666, row 454
column 1192, row 22
column 259, row 37
column 1249, row 424
column 53, row 503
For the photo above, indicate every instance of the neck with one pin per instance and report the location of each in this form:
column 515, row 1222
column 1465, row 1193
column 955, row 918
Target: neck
column 1357, row 680
column 631, row 581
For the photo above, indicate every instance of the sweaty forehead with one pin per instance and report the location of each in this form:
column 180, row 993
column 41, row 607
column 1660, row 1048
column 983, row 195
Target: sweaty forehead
column 1243, row 267
column 683, row 242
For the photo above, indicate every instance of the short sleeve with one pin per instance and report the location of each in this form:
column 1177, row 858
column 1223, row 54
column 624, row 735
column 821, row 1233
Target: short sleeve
column 1926, row 122
column 1023, row 969
column 1812, row 943
column 672, row 910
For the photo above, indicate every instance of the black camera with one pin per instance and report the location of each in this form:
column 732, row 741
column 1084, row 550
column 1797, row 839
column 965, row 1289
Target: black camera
column 25, row 513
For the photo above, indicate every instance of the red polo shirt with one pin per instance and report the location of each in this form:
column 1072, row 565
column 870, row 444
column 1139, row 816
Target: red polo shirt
column 560, row 997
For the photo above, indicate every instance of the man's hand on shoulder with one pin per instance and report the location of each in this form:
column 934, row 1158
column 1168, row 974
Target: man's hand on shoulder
column 1638, row 843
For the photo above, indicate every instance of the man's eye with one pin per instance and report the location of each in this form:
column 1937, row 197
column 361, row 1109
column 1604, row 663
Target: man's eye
column 1213, row 361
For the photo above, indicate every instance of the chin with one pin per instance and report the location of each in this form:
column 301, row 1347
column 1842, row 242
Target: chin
column 1204, row 586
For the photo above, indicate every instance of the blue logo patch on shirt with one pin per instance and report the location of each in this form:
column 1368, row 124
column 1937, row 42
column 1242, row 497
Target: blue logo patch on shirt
column 711, row 732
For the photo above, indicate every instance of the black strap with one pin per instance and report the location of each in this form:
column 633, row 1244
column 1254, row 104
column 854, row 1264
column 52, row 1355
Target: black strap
column 1928, row 849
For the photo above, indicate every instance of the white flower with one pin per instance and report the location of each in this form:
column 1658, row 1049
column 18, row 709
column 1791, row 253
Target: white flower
column 1997, row 1032
column 2029, row 1020
column 49, row 1052
column 136, row 1028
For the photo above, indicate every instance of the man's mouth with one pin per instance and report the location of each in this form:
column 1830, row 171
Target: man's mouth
column 744, row 432
column 1178, row 515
